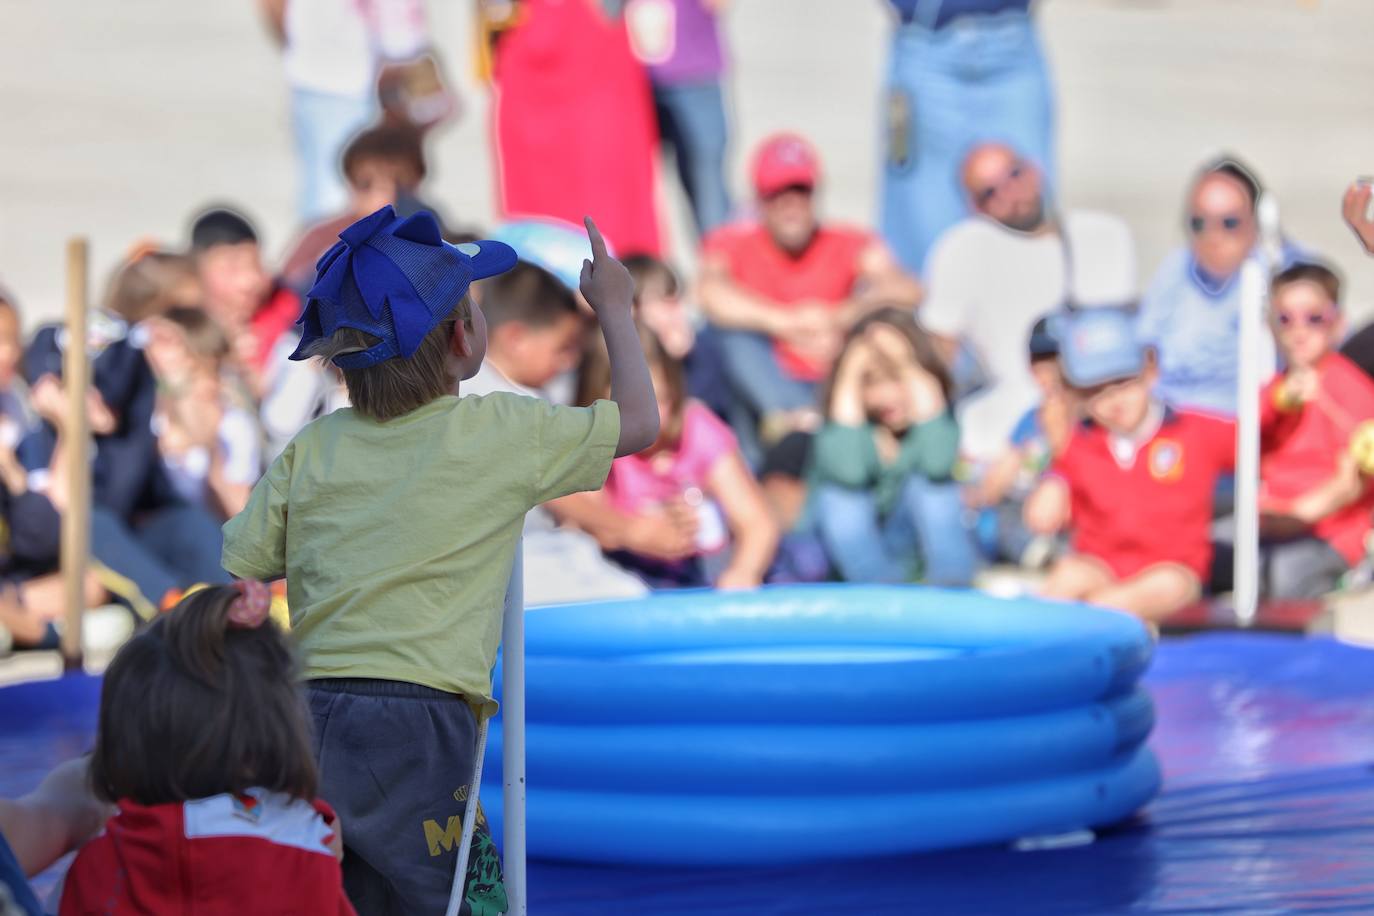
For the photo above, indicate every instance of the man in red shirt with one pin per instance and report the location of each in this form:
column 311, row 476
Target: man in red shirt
column 784, row 289
column 240, row 295
column 1315, row 504
column 1134, row 482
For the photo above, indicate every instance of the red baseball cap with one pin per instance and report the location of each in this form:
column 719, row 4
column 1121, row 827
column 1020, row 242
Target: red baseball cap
column 785, row 161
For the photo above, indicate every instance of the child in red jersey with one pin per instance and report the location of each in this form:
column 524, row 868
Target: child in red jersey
column 1315, row 504
column 204, row 745
column 1135, row 481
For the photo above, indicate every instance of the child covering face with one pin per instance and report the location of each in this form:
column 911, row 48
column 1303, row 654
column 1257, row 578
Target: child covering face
column 883, row 501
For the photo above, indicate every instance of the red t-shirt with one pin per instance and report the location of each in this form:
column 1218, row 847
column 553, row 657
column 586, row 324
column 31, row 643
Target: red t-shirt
column 826, row 271
column 1157, row 508
column 270, row 322
column 1298, row 450
column 226, row 855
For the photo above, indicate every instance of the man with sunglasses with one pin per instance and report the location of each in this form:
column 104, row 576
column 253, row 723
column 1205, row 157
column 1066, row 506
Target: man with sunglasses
column 785, row 288
column 992, row 276
column 1191, row 311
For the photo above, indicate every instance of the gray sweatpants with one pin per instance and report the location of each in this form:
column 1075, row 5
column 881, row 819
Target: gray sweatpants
column 395, row 762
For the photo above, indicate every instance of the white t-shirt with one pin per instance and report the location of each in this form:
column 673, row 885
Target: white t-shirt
column 988, row 285
column 337, row 46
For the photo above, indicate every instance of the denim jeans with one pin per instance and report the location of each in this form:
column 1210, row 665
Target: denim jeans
column 691, row 119
column 758, row 386
column 172, row 548
column 979, row 78
column 323, row 123
column 925, row 525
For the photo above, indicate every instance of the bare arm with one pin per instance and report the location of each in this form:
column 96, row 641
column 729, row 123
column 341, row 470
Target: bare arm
column 998, row 481
column 606, row 284
column 662, row 535
column 882, row 282
column 274, row 14
column 1341, row 489
column 53, row 819
column 846, row 401
column 752, row 527
column 729, row 305
column 1047, row 509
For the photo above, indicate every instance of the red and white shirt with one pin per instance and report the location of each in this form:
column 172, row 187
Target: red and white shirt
column 261, row 853
column 1133, row 508
column 1299, row 449
column 827, row 272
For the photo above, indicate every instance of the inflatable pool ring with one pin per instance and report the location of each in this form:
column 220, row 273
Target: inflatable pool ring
column 809, row 723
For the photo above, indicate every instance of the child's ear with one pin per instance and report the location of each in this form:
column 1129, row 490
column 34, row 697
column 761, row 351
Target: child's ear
column 460, row 344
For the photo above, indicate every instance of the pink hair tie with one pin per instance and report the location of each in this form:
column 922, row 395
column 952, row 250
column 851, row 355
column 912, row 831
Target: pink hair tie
column 250, row 608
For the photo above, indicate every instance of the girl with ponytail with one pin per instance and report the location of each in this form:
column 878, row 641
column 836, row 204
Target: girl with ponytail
column 204, row 746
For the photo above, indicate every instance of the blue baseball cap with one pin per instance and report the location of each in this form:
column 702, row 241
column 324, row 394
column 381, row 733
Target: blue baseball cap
column 395, row 279
column 557, row 246
column 1097, row 346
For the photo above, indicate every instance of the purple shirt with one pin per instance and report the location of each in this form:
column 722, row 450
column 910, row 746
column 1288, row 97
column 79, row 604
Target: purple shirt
column 676, row 39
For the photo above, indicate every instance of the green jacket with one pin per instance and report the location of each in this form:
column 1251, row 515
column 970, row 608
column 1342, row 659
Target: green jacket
column 847, row 456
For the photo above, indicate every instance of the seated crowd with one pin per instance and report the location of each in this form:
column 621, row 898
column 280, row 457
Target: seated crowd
column 825, row 415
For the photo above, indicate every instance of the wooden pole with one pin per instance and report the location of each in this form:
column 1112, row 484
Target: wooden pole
column 76, row 521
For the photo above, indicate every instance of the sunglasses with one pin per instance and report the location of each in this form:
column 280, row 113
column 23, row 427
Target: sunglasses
column 1311, row 319
column 985, row 195
column 1198, row 224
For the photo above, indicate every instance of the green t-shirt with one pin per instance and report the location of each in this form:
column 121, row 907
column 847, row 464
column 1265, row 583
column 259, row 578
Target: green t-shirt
column 848, row 457
column 396, row 538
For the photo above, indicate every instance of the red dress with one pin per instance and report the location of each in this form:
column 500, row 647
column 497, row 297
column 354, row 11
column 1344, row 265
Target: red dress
column 574, row 123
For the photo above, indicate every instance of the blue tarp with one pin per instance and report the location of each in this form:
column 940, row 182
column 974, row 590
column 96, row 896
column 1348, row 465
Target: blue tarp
column 1268, row 807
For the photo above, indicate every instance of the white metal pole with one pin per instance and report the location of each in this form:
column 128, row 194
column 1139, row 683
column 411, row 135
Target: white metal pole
column 513, row 762
column 513, row 739
column 1256, row 360
column 1245, row 589
column 460, row 869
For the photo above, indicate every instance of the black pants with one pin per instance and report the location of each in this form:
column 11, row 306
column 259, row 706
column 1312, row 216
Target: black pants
column 395, row 763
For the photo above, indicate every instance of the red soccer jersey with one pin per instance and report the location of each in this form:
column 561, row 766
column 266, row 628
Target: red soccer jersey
column 226, row 855
column 1157, row 508
column 1298, row 450
column 826, row 272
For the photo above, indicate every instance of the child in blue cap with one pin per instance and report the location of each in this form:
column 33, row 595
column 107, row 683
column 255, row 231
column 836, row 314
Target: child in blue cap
column 395, row 522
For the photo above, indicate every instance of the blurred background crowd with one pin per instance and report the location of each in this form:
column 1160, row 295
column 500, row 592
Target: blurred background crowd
column 862, row 234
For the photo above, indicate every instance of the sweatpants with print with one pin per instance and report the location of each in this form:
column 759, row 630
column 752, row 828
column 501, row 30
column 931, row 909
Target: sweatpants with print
column 395, row 761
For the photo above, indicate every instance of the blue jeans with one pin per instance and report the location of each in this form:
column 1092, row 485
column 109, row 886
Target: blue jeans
column 323, row 123
column 758, row 386
column 170, row 549
column 980, row 78
column 926, row 525
column 691, row 119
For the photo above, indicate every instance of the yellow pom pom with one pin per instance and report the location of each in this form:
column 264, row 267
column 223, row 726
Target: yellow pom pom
column 280, row 613
column 1362, row 447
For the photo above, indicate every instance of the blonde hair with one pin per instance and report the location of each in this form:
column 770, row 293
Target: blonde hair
column 395, row 387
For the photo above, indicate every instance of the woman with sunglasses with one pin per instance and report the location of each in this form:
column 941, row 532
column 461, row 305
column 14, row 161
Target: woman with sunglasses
column 1191, row 311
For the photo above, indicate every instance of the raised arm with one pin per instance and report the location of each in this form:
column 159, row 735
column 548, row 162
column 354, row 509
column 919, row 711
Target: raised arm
column 882, row 282
column 607, row 286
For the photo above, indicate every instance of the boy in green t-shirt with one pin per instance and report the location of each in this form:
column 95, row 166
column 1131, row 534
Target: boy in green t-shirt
column 395, row 523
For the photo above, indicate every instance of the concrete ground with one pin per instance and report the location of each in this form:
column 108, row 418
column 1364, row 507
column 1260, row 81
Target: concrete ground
column 121, row 119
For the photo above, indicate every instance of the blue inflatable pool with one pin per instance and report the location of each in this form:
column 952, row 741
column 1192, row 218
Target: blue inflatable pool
column 810, row 723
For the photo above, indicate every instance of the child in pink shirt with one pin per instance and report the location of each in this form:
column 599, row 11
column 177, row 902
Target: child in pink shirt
column 696, row 474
